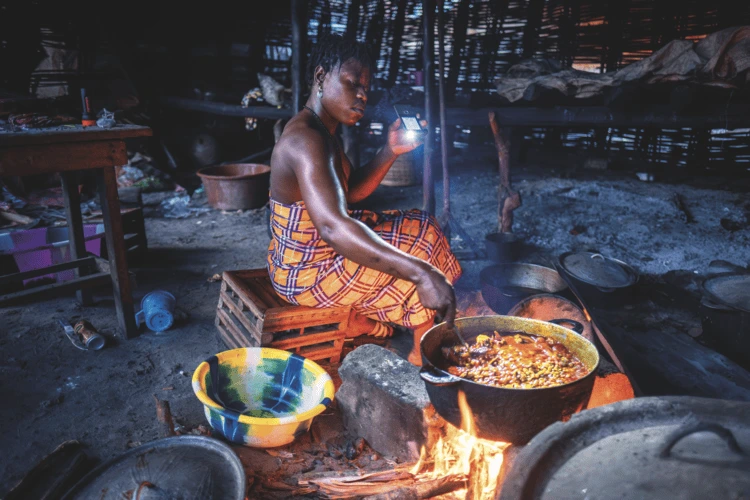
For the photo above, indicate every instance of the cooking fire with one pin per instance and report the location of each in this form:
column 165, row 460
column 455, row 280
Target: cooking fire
column 461, row 453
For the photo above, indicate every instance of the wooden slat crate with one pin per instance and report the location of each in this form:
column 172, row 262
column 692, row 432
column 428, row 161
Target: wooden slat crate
column 251, row 314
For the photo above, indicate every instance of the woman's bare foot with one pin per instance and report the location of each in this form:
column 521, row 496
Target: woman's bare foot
column 362, row 325
column 415, row 356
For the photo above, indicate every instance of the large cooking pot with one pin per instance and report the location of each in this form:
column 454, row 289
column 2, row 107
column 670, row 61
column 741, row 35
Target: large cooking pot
column 503, row 414
column 649, row 448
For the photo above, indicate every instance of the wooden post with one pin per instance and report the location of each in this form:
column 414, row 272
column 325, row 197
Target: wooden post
column 616, row 19
column 76, row 241
column 446, row 216
column 299, row 37
column 374, row 33
column 107, row 186
column 459, row 42
column 531, row 30
column 507, row 199
column 398, row 34
column 352, row 18
column 428, row 48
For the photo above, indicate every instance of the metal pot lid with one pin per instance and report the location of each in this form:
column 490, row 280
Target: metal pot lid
column 177, row 468
column 644, row 448
column 598, row 270
column 731, row 290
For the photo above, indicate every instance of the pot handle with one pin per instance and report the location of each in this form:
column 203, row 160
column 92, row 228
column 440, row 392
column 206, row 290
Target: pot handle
column 602, row 289
column 433, row 376
column 717, row 429
column 576, row 326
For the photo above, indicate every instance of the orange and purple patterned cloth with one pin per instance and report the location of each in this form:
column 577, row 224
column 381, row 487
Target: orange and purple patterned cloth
column 305, row 270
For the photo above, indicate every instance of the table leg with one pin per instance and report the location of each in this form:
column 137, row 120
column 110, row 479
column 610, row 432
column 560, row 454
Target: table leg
column 75, row 229
column 107, row 186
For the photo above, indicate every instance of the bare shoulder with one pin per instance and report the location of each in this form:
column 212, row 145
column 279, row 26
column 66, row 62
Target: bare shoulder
column 300, row 144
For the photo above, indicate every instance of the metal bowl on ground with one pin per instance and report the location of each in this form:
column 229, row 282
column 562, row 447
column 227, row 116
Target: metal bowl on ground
column 504, row 414
column 236, row 186
column 648, row 448
column 261, row 397
column 504, row 285
column 184, row 467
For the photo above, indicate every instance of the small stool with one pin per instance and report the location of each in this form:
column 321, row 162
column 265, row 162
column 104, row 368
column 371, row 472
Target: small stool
column 251, row 314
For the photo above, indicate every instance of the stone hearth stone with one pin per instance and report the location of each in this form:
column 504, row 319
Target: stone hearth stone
column 383, row 399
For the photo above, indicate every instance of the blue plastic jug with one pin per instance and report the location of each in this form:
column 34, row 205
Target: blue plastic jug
column 157, row 311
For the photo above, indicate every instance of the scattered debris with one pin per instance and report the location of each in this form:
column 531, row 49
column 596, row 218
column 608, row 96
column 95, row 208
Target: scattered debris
column 213, row 279
column 164, row 418
column 679, row 202
column 578, row 229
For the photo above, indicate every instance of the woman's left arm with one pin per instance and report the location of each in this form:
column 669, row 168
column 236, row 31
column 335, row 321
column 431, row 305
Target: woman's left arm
column 366, row 179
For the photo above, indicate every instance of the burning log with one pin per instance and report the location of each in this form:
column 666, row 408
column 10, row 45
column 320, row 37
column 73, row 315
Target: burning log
column 386, row 485
column 507, row 199
column 424, row 489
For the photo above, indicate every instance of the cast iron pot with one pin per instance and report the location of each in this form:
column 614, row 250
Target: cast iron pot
column 501, row 414
column 505, row 285
column 594, row 293
column 730, row 328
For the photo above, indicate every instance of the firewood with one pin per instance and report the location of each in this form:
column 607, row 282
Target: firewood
column 423, row 490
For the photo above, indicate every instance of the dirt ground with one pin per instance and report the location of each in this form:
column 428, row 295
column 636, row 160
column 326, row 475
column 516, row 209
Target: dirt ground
column 52, row 392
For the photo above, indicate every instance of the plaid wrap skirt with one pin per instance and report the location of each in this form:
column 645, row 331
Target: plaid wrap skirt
column 305, row 270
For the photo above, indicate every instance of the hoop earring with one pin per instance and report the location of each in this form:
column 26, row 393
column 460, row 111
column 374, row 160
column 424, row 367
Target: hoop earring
column 320, row 92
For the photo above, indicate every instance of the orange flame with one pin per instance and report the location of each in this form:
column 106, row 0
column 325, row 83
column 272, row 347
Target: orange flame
column 460, row 452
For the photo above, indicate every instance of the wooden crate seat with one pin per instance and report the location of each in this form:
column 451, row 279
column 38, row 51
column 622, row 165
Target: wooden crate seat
column 251, row 314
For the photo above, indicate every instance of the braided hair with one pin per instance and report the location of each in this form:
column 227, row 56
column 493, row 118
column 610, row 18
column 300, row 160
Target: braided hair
column 333, row 50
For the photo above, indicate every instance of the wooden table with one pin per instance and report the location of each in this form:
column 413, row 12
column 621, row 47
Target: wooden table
column 65, row 150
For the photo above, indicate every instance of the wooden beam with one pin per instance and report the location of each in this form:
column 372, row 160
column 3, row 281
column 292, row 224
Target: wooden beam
column 299, row 41
column 396, row 38
column 76, row 241
column 116, row 251
column 534, row 12
column 460, row 25
column 428, row 48
column 352, row 18
column 16, row 277
column 90, row 280
column 50, row 158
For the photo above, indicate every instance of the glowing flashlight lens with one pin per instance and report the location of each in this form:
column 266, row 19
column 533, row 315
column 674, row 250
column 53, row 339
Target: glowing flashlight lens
column 411, row 135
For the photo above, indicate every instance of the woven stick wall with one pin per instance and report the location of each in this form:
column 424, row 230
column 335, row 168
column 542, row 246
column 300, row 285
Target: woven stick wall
column 485, row 37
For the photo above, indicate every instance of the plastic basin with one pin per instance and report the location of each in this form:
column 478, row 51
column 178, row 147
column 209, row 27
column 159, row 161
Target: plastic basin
column 236, row 186
column 261, row 397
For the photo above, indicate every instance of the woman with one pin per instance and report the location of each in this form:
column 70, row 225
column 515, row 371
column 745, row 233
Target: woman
column 392, row 267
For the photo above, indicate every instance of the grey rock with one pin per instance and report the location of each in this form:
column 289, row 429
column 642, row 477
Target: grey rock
column 383, row 399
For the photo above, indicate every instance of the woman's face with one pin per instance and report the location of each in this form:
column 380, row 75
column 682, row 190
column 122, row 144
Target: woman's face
column 345, row 91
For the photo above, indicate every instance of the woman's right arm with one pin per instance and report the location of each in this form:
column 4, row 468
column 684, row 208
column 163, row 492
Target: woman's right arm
column 312, row 161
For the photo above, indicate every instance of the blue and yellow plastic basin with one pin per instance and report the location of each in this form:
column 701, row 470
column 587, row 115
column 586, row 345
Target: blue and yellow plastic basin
column 261, row 397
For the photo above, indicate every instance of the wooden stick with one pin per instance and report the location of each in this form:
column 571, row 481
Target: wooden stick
column 423, row 490
column 164, row 417
column 507, row 199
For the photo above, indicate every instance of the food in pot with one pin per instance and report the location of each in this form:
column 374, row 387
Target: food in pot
column 515, row 360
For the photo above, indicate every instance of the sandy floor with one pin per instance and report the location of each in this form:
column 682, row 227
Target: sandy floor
column 52, row 392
